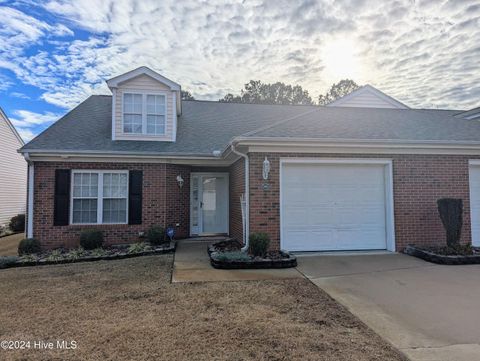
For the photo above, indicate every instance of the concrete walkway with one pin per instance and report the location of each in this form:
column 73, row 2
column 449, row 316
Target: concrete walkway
column 192, row 264
column 429, row 312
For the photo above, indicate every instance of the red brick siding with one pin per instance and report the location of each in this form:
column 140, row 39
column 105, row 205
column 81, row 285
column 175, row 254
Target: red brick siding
column 178, row 200
column 418, row 181
column 161, row 204
column 237, row 187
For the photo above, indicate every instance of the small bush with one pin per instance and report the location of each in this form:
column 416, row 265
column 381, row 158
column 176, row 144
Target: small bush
column 55, row 256
column 17, row 223
column 98, row 252
column 137, row 247
column 29, row 246
column 75, row 254
column 259, row 243
column 7, row 261
column 91, row 239
column 156, row 235
column 232, row 256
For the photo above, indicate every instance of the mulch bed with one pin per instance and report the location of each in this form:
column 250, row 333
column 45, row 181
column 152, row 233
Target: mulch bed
column 223, row 256
column 461, row 255
column 61, row 256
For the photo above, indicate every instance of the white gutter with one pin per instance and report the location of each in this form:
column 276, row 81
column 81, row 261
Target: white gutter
column 30, row 190
column 247, row 199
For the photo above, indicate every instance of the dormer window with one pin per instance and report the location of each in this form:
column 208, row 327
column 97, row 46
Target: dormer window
column 132, row 113
column 145, row 106
column 144, row 113
column 156, row 114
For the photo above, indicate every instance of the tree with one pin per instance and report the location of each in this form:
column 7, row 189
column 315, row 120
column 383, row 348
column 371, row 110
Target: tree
column 257, row 92
column 451, row 211
column 338, row 90
column 186, row 95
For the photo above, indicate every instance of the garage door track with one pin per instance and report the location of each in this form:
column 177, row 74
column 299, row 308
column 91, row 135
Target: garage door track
column 429, row 312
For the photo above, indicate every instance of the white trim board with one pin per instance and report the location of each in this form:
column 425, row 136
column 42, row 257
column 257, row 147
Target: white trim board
column 388, row 181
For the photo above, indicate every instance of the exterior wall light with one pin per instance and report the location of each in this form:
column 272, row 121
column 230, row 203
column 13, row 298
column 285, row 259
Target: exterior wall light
column 180, row 181
column 266, row 168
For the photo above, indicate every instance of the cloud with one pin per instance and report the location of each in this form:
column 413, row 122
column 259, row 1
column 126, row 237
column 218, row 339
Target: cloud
column 29, row 123
column 425, row 53
column 19, row 95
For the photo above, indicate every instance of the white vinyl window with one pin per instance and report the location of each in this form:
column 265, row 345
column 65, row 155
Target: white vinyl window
column 144, row 113
column 132, row 113
column 155, row 114
column 99, row 197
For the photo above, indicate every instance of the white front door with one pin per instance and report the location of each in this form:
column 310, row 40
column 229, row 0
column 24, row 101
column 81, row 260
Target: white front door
column 208, row 203
column 333, row 206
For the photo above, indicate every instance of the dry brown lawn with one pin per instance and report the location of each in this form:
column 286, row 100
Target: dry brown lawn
column 9, row 244
column 129, row 310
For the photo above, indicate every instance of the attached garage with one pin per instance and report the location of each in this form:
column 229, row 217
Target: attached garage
column 336, row 204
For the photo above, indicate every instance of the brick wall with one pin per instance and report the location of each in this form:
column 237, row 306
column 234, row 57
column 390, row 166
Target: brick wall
column 163, row 203
column 418, row 181
column 237, row 187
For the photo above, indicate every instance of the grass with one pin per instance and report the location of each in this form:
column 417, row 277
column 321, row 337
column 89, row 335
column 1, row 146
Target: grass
column 129, row 310
column 9, row 244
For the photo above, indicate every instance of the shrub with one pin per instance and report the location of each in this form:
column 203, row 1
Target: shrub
column 75, row 254
column 259, row 243
column 156, row 235
column 137, row 247
column 17, row 223
column 29, row 246
column 451, row 212
column 98, row 252
column 232, row 256
column 91, row 239
column 6, row 261
column 55, row 256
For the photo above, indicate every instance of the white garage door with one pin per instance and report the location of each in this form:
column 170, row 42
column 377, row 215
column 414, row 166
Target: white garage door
column 333, row 206
column 475, row 203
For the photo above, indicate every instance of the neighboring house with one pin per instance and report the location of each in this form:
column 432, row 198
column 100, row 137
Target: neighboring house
column 362, row 173
column 13, row 172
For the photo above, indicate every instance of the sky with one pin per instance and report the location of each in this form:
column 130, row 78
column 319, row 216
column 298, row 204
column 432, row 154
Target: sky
column 54, row 54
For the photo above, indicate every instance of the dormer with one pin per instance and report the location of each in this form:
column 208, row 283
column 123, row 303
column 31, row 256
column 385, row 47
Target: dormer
column 145, row 106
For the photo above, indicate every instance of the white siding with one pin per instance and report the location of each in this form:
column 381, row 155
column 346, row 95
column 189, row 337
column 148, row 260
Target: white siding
column 13, row 174
column 143, row 83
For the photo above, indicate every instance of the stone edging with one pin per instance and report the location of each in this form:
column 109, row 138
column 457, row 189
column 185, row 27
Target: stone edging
column 441, row 259
column 171, row 248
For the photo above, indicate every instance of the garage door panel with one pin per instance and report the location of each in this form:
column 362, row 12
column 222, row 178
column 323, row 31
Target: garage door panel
column 333, row 207
column 475, row 203
column 299, row 239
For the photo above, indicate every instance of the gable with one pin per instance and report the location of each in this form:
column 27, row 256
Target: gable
column 368, row 97
column 143, row 82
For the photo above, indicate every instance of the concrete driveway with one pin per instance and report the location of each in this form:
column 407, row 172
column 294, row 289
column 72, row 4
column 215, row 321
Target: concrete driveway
column 429, row 312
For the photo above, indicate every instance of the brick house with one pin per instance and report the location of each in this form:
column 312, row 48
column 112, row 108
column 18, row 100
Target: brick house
column 363, row 173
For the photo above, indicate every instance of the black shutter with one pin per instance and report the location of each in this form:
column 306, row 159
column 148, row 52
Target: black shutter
column 135, row 197
column 61, row 209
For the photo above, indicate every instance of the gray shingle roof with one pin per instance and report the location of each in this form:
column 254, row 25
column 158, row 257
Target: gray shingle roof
column 207, row 126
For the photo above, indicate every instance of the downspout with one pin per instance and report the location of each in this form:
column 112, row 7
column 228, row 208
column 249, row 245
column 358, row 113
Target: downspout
column 247, row 198
column 30, row 189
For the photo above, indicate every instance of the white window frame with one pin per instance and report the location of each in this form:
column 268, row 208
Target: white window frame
column 144, row 94
column 99, row 194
